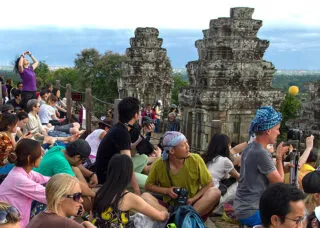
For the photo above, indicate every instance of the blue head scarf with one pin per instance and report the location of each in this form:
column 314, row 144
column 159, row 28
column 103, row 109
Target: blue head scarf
column 171, row 139
column 265, row 119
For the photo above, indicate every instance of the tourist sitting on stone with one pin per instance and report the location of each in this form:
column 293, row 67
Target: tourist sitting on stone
column 9, row 216
column 311, row 186
column 173, row 123
column 6, row 108
column 113, row 202
column 149, row 112
column 257, row 168
column 179, row 169
column 44, row 95
column 64, row 199
column 118, row 141
column 19, row 87
column 22, row 185
column 95, row 137
column 16, row 100
column 60, row 106
column 47, row 115
column 8, row 129
column 68, row 160
column 221, row 168
column 281, row 205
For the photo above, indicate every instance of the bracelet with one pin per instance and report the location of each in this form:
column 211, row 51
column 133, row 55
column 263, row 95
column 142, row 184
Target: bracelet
column 91, row 175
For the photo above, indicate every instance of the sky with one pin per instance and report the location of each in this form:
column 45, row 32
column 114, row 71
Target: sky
column 57, row 30
column 182, row 14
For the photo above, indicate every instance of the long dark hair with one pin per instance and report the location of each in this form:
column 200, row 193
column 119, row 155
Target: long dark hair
column 16, row 65
column 6, row 120
column 219, row 145
column 119, row 174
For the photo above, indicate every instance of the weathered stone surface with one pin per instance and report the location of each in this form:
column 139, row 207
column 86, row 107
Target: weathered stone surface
column 147, row 72
column 309, row 120
column 229, row 81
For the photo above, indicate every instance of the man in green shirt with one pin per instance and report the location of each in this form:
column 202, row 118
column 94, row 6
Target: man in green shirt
column 69, row 160
column 179, row 168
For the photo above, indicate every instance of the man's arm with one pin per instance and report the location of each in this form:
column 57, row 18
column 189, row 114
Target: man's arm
column 134, row 182
column 91, row 176
column 278, row 174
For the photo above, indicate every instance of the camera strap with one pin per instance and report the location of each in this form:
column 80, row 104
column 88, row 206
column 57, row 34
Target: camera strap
column 168, row 172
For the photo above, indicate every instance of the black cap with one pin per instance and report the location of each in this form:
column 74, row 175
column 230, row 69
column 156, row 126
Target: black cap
column 311, row 182
column 79, row 147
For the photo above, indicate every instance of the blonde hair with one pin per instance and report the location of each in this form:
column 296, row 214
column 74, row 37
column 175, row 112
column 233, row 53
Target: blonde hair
column 10, row 218
column 310, row 203
column 58, row 186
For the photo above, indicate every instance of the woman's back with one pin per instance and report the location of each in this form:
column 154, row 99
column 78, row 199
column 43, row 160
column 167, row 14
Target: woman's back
column 115, row 215
column 220, row 167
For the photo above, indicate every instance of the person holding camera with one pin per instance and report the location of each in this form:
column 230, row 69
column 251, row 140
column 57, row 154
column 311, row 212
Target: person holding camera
column 182, row 177
column 28, row 76
column 257, row 168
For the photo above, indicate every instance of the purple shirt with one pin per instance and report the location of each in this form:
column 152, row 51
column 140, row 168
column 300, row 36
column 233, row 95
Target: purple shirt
column 29, row 79
column 4, row 90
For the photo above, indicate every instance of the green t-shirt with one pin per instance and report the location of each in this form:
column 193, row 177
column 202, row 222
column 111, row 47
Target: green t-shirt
column 54, row 162
column 193, row 175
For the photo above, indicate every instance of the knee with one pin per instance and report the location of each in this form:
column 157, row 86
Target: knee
column 76, row 125
column 213, row 193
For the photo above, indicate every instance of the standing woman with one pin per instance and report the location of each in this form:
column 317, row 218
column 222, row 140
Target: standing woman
column 22, row 185
column 28, row 77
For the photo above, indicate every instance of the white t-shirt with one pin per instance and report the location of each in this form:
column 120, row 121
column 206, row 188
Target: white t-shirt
column 94, row 141
column 46, row 111
column 220, row 167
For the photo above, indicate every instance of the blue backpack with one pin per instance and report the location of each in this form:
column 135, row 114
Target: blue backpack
column 185, row 217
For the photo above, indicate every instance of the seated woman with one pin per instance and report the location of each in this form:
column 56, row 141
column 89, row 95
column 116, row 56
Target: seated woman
column 60, row 106
column 10, row 216
column 221, row 167
column 47, row 114
column 39, row 131
column 64, row 199
column 113, row 201
column 8, row 128
column 96, row 136
column 22, row 185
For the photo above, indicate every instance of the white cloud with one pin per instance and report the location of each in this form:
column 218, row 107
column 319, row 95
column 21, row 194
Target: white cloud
column 185, row 14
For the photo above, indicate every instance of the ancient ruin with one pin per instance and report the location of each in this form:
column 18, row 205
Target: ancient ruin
column 147, row 72
column 229, row 81
column 309, row 120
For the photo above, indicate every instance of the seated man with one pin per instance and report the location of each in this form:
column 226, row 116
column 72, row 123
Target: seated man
column 282, row 205
column 179, row 168
column 257, row 167
column 118, row 141
column 47, row 115
column 69, row 160
column 16, row 101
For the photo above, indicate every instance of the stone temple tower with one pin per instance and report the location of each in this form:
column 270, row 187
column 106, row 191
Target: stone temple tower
column 229, row 81
column 147, row 72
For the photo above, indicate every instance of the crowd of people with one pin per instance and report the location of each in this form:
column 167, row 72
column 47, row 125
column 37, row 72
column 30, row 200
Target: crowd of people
column 52, row 177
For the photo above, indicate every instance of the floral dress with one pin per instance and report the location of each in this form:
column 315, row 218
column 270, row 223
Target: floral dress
column 5, row 144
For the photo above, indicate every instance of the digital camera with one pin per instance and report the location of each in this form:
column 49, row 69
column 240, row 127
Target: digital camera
column 182, row 193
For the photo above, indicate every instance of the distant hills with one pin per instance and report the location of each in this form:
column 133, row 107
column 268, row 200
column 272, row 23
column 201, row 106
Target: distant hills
column 289, row 48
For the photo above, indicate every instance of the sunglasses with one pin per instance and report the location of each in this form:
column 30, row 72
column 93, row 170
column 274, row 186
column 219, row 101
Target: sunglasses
column 11, row 211
column 76, row 196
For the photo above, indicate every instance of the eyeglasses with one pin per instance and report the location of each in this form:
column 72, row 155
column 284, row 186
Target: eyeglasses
column 297, row 221
column 12, row 211
column 76, row 196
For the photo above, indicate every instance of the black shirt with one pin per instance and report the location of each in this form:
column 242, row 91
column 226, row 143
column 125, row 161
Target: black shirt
column 116, row 140
column 15, row 104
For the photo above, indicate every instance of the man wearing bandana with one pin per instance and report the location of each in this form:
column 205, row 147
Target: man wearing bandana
column 257, row 168
column 179, row 168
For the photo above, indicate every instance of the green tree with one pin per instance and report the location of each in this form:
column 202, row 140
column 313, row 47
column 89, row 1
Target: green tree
column 43, row 74
column 100, row 73
column 290, row 109
column 179, row 83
